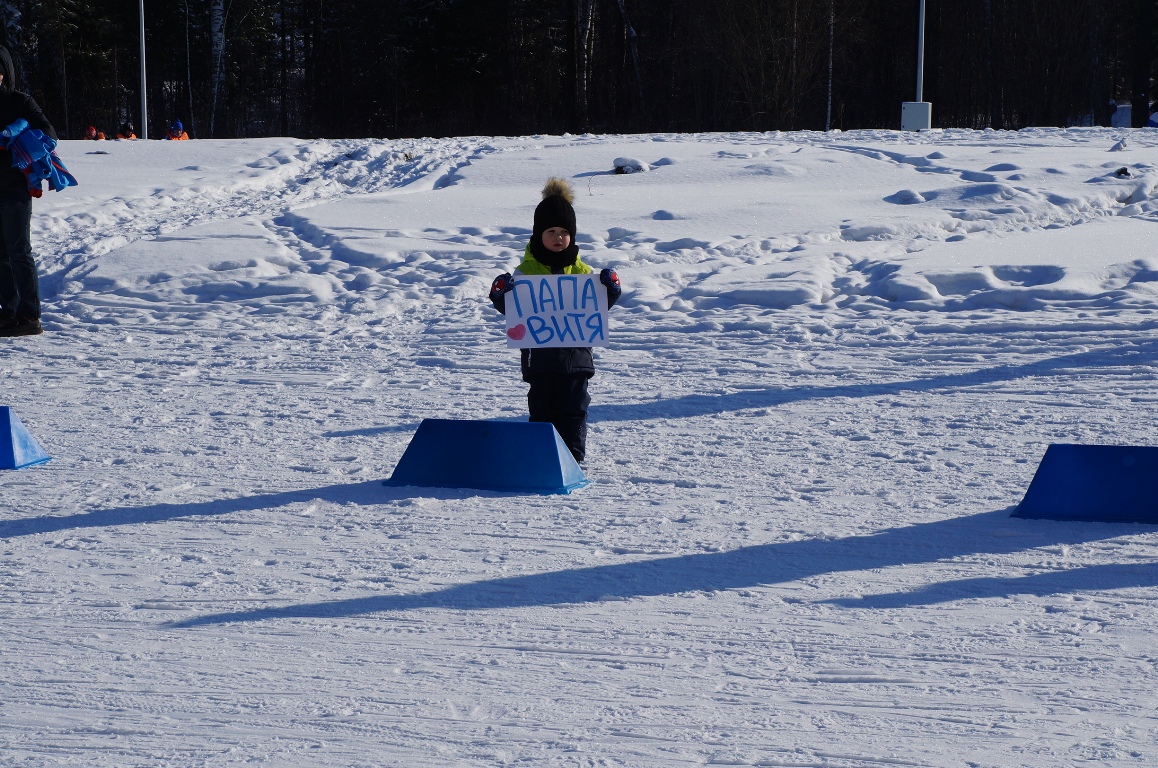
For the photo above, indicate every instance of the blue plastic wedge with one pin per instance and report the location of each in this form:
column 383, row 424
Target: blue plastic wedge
column 1096, row 483
column 505, row 456
column 17, row 447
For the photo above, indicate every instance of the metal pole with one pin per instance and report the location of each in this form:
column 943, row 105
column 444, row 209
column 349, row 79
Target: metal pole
column 920, row 55
column 144, row 96
column 831, row 27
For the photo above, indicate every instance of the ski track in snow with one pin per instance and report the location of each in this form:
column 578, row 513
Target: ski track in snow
column 836, row 364
column 292, row 174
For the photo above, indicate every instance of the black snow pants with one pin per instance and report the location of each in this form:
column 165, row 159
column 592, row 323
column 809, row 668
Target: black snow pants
column 562, row 400
column 19, row 284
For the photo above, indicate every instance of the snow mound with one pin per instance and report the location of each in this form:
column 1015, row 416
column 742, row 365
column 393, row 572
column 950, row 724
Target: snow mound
column 629, row 165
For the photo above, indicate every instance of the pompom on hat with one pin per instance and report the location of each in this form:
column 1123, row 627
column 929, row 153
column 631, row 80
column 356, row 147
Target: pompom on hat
column 555, row 210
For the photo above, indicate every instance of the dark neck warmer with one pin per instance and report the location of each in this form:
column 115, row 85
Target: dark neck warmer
column 549, row 258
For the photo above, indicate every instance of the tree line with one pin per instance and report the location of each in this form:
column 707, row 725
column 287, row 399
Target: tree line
column 393, row 68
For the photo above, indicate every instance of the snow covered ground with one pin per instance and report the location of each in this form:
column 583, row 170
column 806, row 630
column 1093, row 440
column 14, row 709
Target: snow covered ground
column 837, row 362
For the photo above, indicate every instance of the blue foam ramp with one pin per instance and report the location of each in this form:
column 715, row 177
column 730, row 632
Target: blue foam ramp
column 488, row 455
column 17, row 447
column 1096, row 483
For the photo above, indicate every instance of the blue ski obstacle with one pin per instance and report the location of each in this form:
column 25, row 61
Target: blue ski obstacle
column 17, row 448
column 1094, row 483
column 507, row 456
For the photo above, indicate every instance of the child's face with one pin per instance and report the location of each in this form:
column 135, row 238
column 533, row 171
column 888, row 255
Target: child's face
column 556, row 239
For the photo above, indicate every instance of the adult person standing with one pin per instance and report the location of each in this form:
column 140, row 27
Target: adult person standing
column 19, row 283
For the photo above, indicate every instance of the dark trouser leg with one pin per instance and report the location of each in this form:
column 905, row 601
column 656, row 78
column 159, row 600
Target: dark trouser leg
column 19, row 284
column 562, row 400
column 573, row 430
column 571, row 418
column 540, row 402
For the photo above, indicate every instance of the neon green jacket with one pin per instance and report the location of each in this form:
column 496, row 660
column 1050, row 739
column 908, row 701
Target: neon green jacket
column 532, row 266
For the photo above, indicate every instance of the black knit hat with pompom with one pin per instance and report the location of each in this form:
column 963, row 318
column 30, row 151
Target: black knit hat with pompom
column 556, row 209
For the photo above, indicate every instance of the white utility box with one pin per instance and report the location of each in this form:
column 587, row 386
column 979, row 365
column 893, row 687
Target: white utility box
column 916, row 115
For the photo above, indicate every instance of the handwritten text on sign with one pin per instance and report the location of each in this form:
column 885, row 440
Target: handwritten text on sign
column 557, row 311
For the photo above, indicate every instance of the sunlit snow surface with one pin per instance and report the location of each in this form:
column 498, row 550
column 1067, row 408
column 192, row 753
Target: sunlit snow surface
column 836, row 364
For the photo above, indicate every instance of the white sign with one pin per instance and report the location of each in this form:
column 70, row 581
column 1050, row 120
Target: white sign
column 557, row 311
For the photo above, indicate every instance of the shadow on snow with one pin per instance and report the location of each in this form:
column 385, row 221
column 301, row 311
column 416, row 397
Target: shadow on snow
column 1086, row 578
column 368, row 493
column 1143, row 354
column 990, row 533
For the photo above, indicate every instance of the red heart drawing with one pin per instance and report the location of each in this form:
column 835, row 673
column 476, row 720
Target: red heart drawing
column 518, row 332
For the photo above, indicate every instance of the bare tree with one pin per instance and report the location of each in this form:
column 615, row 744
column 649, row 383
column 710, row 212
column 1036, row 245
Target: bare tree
column 774, row 54
column 1144, row 55
column 630, row 35
column 216, row 57
column 189, row 72
column 584, row 44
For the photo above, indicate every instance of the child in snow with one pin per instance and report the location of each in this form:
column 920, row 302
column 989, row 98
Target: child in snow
column 557, row 375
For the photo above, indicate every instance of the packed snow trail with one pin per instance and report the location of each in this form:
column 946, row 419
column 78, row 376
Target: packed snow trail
column 208, row 180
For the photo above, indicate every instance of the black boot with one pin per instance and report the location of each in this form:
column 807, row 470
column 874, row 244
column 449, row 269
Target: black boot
column 21, row 326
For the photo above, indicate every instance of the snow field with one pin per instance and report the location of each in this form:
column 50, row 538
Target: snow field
column 836, row 363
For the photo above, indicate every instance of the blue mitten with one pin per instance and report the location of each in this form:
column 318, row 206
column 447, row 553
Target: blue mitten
column 499, row 289
column 614, row 289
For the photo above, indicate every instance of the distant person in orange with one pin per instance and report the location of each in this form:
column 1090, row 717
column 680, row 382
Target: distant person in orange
column 92, row 134
column 126, row 132
column 177, row 132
